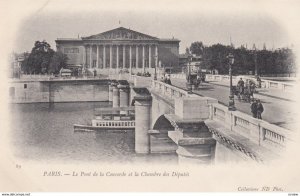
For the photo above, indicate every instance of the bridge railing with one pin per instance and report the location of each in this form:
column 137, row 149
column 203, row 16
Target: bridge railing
column 113, row 123
column 264, row 83
column 258, row 131
column 178, row 76
column 168, row 90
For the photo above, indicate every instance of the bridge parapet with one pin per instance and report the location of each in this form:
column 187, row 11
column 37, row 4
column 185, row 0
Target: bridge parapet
column 285, row 86
column 259, row 131
column 254, row 138
column 169, row 90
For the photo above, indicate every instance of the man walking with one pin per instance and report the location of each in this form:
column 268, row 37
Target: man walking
column 254, row 109
column 260, row 109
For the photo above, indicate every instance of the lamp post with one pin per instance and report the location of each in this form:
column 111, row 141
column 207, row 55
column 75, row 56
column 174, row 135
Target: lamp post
column 231, row 106
column 189, row 85
column 255, row 63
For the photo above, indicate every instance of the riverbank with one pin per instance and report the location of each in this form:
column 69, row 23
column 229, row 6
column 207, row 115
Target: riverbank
column 53, row 91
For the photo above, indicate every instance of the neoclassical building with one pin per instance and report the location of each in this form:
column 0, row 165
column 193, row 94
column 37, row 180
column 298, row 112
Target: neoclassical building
column 120, row 48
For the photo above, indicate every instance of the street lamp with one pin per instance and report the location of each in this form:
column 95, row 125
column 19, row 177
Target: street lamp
column 189, row 84
column 255, row 63
column 231, row 106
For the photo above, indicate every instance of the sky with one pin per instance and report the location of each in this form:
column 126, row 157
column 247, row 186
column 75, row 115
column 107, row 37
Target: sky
column 188, row 25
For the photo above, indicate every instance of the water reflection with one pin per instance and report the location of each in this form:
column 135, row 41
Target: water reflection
column 44, row 132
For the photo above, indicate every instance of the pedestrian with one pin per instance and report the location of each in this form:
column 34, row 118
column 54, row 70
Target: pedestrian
column 259, row 81
column 260, row 109
column 254, row 109
column 241, row 85
column 168, row 80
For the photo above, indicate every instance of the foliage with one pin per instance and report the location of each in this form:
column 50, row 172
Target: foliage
column 58, row 61
column 268, row 62
column 43, row 59
column 197, row 48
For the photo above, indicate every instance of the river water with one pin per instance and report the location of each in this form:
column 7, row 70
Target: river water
column 44, row 132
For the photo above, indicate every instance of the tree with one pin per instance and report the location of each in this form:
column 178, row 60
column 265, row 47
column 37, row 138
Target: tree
column 197, row 48
column 39, row 59
column 268, row 61
column 58, row 61
column 187, row 51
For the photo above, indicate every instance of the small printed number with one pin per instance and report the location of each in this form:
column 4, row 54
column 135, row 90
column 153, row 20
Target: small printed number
column 18, row 166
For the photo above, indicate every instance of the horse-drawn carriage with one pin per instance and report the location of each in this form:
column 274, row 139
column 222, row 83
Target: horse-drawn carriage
column 245, row 93
column 194, row 75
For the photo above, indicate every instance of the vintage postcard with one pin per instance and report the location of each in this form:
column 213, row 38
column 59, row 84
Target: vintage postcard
column 149, row 96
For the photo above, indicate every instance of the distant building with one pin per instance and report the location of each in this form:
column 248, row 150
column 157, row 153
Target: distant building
column 183, row 60
column 120, row 48
column 16, row 61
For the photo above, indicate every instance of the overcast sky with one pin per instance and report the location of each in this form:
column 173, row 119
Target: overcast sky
column 187, row 26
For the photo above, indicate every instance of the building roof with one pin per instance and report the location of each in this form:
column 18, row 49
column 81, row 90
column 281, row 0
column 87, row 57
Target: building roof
column 68, row 39
column 169, row 40
column 76, row 39
column 120, row 33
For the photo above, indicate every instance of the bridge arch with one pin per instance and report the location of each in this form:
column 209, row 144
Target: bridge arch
column 163, row 123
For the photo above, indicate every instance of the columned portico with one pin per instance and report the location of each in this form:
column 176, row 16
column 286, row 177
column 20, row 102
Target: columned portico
column 119, row 48
column 114, row 52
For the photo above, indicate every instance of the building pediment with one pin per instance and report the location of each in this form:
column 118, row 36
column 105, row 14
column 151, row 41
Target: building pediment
column 120, row 33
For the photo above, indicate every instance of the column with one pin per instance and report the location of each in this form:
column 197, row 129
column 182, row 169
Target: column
column 124, row 97
column 116, row 96
column 110, row 57
column 84, row 56
column 97, row 56
column 143, row 63
column 91, row 50
column 156, row 56
column 130, row 60
column 149, row 56
column 117, row 58
column 137, row 57
column 124, row 48
column 104, row 57
column 142, row 123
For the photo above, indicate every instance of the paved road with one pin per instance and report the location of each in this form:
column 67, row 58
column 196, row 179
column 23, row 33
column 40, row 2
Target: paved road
column 277, row 111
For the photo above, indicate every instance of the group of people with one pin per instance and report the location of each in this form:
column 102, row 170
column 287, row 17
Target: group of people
column 246, row 90
column 257, row 109
column 166, row 79
column 256, row 106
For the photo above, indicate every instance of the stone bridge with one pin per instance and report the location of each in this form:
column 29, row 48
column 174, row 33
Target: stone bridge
column 198, row 129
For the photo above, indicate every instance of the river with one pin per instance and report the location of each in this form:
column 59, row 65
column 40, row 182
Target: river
column 44, row 132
